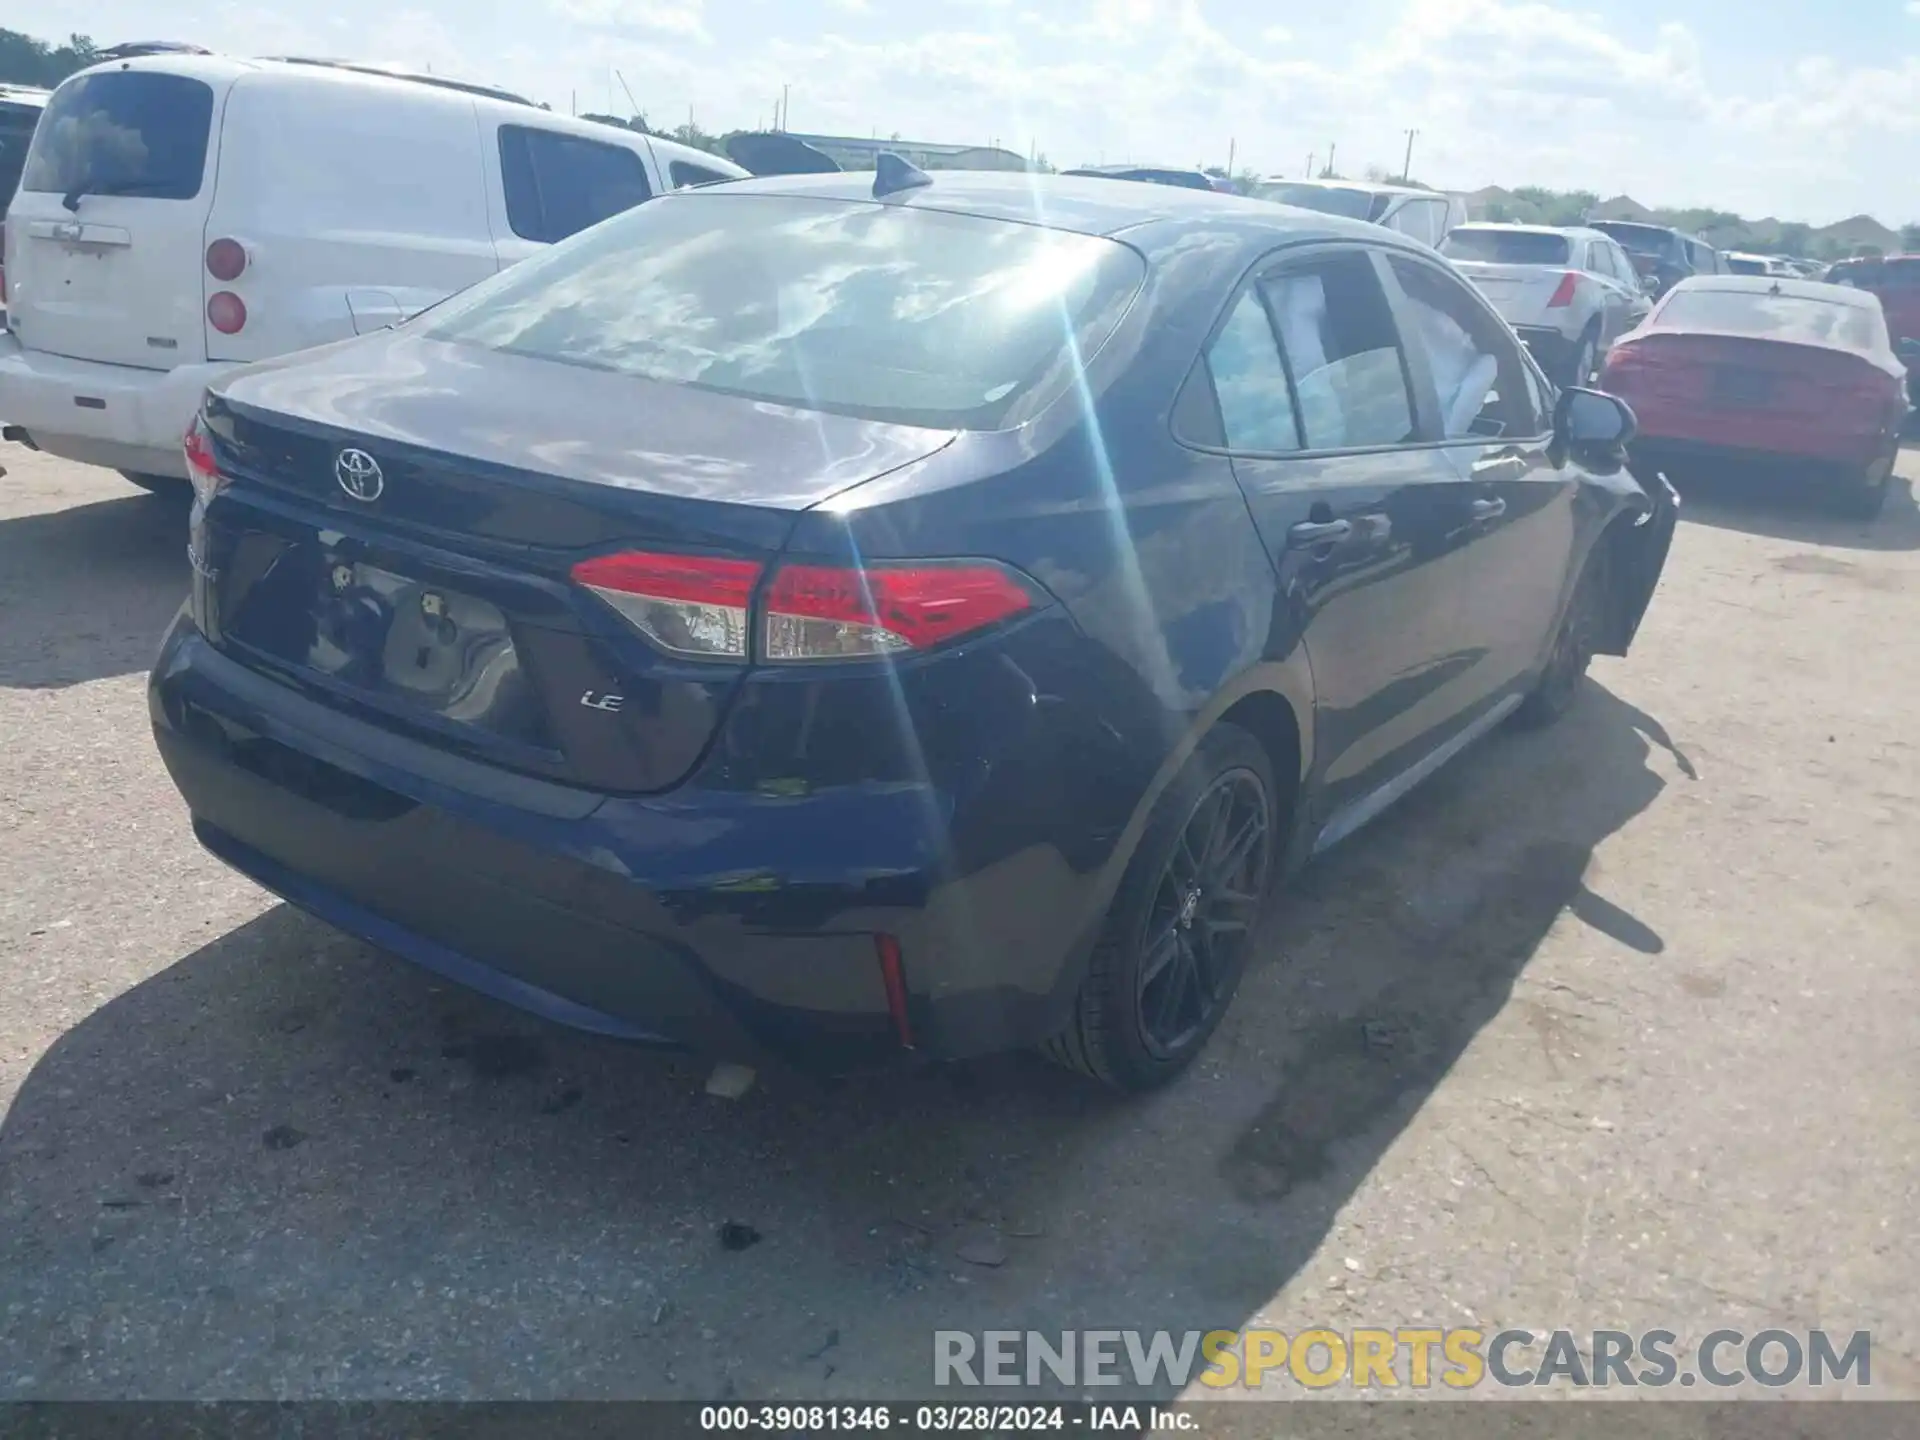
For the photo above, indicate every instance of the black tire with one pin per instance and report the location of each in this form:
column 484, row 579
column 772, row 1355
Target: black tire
column 169, row 485
column 1176, row 940
column 1862, row 494
column 1574, row 646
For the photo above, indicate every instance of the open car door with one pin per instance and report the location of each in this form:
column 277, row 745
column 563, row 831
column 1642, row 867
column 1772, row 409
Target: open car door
column 768, row 152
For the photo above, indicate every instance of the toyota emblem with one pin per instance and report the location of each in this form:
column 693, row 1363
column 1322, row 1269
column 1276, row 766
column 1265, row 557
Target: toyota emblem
column 359, row 475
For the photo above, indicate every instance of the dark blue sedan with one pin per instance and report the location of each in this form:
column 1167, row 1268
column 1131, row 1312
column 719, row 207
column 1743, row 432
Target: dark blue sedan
column 794, row 619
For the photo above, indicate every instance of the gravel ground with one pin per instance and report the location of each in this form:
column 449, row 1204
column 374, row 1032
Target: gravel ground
column 1609, row 1026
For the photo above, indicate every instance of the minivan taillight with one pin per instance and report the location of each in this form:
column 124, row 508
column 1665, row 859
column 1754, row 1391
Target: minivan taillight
column 686, row 604
column 1563, row 293
column 820, row 612
column 702, row 606
column 226, row 312
column 226, row 259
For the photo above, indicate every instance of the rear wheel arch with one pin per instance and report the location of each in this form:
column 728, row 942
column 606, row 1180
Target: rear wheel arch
column 1269, row 717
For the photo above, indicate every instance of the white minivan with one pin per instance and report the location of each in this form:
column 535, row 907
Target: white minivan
column 182, row 214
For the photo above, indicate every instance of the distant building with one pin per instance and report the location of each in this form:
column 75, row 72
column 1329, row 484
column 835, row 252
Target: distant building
column 851, row 152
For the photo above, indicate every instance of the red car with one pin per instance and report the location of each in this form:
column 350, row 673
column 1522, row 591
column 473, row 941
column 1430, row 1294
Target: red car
column 1768, row 372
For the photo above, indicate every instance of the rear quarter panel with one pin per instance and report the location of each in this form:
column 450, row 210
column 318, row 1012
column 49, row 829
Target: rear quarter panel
column 340, row 187
column 1168, row 613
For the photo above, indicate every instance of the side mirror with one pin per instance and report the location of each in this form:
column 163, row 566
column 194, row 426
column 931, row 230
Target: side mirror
column 1594, row 428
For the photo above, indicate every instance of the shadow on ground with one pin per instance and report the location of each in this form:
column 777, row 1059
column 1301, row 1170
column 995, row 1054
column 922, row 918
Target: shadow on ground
column 287, row 1165
column 87, row 592
column 1786, row 508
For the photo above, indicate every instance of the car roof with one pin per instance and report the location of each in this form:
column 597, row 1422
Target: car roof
column 1370, row 187
column 1779, row 285
column 1085, row 205
column 23, row 95
column 1581, row 232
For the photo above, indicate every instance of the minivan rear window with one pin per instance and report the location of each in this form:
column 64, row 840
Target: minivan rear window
column 887, row 312
column 123, row 132
column 1506, row 247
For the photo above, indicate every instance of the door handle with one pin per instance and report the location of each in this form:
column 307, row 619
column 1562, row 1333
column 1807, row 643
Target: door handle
column 1489, row 509
column 1507, row 467
column 1309, row 533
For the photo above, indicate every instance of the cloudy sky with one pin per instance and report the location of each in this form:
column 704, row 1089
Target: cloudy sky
column 1808, row 109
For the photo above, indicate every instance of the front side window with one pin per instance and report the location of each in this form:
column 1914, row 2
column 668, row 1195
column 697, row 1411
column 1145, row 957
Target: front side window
column 122, row 132
column 887, row 312
column 1477, row 370
column 1256, row 403
column 557, row 185
column 1337, row 332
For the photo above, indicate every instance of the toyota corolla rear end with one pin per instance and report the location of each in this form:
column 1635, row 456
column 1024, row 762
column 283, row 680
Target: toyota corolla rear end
column 524, row 643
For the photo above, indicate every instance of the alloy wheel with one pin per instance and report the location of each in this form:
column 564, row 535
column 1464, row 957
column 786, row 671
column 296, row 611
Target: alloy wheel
column 1204, row 907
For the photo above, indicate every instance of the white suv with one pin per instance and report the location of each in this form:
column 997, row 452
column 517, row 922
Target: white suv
column 1569, row 292
column 183, row 214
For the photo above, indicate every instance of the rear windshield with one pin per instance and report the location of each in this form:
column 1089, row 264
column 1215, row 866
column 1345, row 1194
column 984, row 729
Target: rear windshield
column 123, row 132
column 880, row 311
column 1641, row 239
column 1774, row 317
column 1506, row 247
column 1327, row 199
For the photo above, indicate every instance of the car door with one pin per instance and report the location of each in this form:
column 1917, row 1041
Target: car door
column 1497, row 432
column 1358, row 510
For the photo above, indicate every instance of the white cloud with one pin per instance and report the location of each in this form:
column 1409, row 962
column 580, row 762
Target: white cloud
column 1281, row 35
column 667, row 17
column 853, row 7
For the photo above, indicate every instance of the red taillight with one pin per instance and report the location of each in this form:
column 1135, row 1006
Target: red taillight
column 226, row 312
column 701, row 605
column 894, row 980
column 202, row 470
column 688, row 604
column 1563, row 292
column 226, row 259
column 819, row 612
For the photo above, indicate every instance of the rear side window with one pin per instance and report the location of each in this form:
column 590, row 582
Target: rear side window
column 123, row 132
column 887, row 312
column 557, row 185
column 682, row 174
column 1256, row 403
column 1343, row 353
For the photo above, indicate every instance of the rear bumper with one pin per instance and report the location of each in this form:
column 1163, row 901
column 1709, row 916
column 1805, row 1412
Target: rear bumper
column 1656, row 452
column 118, row 416
column 731, row 923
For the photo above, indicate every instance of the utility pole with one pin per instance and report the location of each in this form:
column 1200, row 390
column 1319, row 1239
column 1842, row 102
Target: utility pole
column 785, row 116
column 1310, row 155
column 1230, row 146
column 1333, row 148
column 1406, row 171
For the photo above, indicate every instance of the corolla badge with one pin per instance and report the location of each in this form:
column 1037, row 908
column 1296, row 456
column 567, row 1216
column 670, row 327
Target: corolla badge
column 359, row 474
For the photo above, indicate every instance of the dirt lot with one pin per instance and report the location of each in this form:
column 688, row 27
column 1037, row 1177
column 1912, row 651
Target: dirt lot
column 1614, row 1025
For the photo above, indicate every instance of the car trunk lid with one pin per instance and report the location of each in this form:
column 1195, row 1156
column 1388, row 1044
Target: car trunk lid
column 108, row 223
column 433, row 590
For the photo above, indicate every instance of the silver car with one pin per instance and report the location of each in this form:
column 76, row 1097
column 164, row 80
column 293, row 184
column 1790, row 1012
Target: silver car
column 1570, row 292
